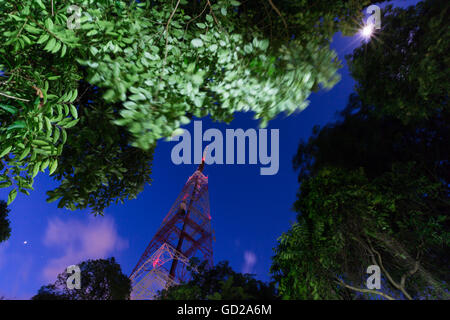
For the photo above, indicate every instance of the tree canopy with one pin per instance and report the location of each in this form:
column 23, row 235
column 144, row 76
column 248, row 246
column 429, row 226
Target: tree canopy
column 220, row 283
column 374, row 186
column 380, row 204
column 404, row 71
column 101, row 279
column 5, row 229
column 89, row 103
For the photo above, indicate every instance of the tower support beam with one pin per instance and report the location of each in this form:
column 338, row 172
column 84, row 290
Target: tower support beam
column 184, row 234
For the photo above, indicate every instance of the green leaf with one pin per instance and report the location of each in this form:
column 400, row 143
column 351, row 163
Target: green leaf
column 74, row 95
column 44, row 165
column 53, row 199
column 48, row 23
column 19, row 124
column 56, row 134
column 24, row 191
column 53, row 166
column 5, row 184
column 39, row 2
column 73, row 111
column 50, row 45
column 63, row 51
column 39, row 142
column 71, row 124
column 196, row 43
column 11, row 196
column 264, row 44
column 213, row 47
column 24, row 153
column 5, row 151
column 32, row 29
column 36, row 169
column 66, row 109
column 109, row 94
column 43, row 38
column 9, row 109
column 48, row 124
column 64, row 135
column 57, row 47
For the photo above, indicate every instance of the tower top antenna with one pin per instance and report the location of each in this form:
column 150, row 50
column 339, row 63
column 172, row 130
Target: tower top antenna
column 202, row 165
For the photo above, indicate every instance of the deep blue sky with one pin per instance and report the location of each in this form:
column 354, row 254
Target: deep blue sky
column 249, row 211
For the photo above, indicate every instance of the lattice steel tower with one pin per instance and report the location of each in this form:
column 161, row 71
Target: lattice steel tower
column 184, row 233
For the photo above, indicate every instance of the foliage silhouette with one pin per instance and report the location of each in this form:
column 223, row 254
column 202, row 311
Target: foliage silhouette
column 101, row 279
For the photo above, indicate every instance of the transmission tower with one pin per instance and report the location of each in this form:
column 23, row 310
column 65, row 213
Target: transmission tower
column 185, row 233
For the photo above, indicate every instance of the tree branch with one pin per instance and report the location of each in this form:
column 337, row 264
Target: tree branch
column 212, row 13
column 279, row 13
column 412, row 271
column 193, row 19
column 11, row 97
column 391, row 280
column 167, row 30
column 365, row 290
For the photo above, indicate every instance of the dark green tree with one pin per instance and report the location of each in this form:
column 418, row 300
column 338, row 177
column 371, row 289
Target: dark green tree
column 5, row 229
column 405, row 69
column 363, row 137
column 347, row 222
column 220, row 283
column 98, row 166
column 101, row 279
column 375, row 184
column 373, row 191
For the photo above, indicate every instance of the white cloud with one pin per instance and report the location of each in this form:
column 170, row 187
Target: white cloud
column 3, row 247
column 249, row 261
column 96, row 239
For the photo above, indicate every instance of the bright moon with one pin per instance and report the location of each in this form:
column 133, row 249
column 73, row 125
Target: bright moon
column 367, row 31
column 25, row 242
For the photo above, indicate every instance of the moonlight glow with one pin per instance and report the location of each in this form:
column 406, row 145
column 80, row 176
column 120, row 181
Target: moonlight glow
column 367, row 31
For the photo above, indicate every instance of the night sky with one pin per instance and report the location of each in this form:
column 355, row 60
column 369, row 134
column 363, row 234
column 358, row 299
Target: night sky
column 249, row 211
